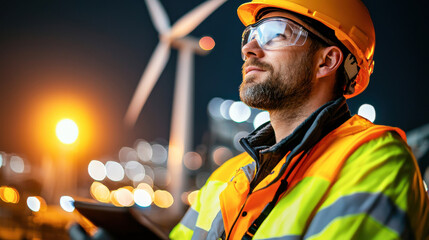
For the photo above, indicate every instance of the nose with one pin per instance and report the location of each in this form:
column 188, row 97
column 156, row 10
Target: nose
column 252, row 49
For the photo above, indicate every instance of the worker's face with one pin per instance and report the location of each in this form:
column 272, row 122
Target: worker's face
column 277, row 79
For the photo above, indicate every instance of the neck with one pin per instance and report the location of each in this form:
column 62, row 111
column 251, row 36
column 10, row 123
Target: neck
column 285, row 121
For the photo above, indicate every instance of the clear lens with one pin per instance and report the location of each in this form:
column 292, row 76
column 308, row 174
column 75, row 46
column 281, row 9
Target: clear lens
column 275, row 33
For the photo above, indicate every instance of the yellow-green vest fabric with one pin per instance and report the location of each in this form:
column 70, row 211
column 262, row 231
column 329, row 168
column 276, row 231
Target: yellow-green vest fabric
column 359, row 182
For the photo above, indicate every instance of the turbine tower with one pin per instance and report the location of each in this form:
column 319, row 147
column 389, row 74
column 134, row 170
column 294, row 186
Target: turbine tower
column 182, row 112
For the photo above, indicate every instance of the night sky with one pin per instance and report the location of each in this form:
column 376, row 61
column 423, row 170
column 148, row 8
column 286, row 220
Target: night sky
column 85, row 58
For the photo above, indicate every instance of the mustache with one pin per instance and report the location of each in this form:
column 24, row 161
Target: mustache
column 255, row 62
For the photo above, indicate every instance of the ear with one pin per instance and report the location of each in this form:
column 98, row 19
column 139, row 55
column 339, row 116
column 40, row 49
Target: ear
column 329, row 59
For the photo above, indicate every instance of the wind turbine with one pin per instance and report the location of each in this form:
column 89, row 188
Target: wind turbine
column 176, row 36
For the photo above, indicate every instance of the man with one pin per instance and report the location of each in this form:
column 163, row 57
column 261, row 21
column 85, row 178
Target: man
column 314, row 171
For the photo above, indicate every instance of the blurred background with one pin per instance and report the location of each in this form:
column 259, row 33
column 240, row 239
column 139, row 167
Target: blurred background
column 68, row 72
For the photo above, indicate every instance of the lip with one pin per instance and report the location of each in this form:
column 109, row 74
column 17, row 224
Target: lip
column 252, row 68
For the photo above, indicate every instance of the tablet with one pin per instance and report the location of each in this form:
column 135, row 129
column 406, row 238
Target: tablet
column 120, row 222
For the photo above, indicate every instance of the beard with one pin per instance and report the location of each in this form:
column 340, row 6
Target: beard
column 288, row 89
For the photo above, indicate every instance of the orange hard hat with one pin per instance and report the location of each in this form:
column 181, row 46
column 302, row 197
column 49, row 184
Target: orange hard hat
column 349, row 19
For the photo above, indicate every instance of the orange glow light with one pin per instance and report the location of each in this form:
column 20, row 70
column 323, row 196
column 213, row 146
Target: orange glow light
column 113, row 199
column 124, row 197
column 192, row 197
column 207, row 43
column 9, row 195
column 100, row 192
column 50, row 110
column 163, row 199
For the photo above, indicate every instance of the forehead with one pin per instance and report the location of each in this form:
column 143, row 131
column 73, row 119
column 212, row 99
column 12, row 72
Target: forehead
column 284, row 14
column 281, row 14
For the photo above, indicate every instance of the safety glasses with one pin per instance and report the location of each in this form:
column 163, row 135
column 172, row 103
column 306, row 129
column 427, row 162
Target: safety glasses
column 274, row 33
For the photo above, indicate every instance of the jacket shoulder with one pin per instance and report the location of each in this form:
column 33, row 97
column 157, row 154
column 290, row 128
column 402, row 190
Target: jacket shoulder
column 228, row 169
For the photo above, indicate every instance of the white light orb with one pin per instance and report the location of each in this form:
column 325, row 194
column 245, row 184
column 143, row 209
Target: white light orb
column 96, row 170
column 134, row 171
column 142, row 198
column 367, row 111
column 224, row 109
column 67, row 131
column 66, row 203
column 261, row 118
column 144, row 151
column 1, row 160
column 124, row 197
column 214, row 107
column 33, row 204
column 16, row 164
column 127, row 154
column 239, row 112
column 114, row 171
column 160, row 154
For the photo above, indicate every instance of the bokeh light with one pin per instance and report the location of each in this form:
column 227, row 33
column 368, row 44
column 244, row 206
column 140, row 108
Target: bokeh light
column 239, row 112
column 192, row 197
column 36, row 203
column 124, row 197
column 214, row 107
column 9, row 194
column 159, row 154
column 192, row 160
column 237, row 138
column 221, row 154
column 113, row 198
column 149, row 171
column 66, row 203
column 261, row 118
column 96, row 170
column 207, row 43
column 147, row 188
column 142, row 198
column 127, row 154
column 134, row 171
column 367, row 111
column 144, row 151
column 114, row 171
column 224, row 109
column 16, row 164
column 2, row 159
column 67, row 131
column 148, row 180
column 100, row 192
column 163, row 199
column 33, row 204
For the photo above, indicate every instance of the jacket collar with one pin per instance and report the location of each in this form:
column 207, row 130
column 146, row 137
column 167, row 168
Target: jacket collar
column 304, row 137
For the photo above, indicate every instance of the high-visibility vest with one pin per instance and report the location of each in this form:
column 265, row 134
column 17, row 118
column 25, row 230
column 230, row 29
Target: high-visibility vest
column 359, row 181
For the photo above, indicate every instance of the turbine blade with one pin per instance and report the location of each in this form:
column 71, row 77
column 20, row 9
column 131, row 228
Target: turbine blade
column 158, row 15
column 147, row 82
column 192, row 19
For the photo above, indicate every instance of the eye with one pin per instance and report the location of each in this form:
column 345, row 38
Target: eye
column 277, row 38
column 280, row 37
